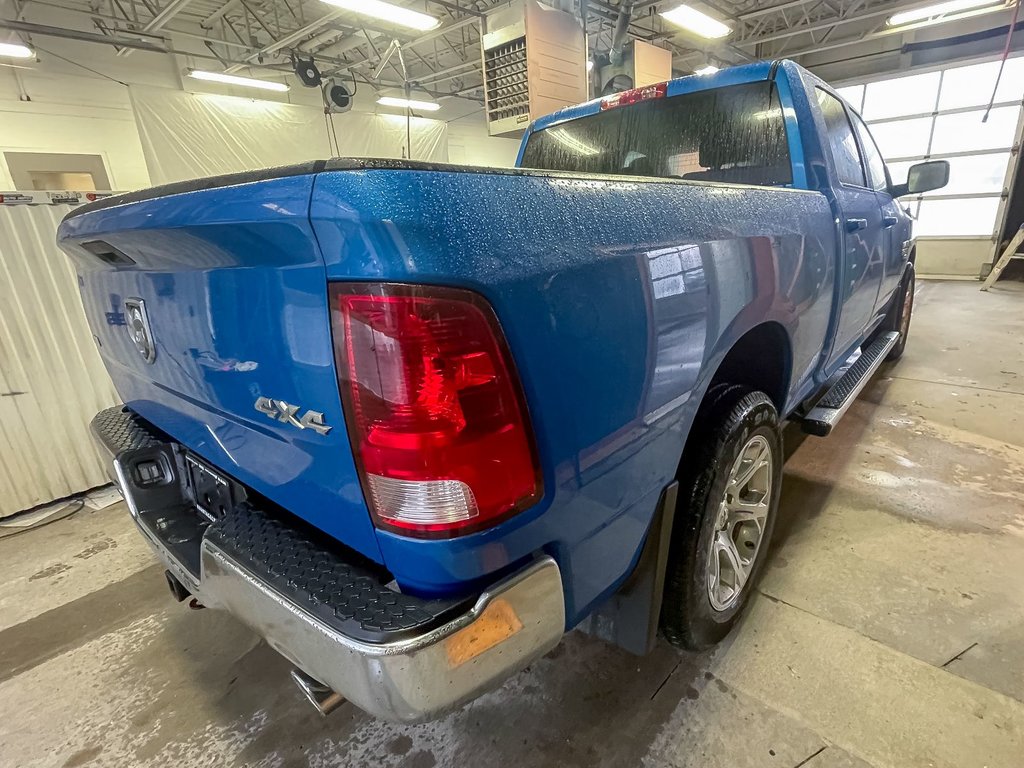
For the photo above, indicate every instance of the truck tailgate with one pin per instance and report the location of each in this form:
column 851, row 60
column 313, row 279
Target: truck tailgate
column 229, row 288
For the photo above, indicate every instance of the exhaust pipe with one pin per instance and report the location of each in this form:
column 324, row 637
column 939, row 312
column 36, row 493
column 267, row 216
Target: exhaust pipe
column 179, row 590
column 319, row 695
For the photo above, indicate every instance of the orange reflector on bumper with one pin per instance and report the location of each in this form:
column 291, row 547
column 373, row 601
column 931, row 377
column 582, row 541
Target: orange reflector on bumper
column 496, row 624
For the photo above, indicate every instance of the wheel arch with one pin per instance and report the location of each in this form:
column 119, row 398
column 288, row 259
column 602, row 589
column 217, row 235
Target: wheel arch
column 762, row 359
column 769, row 346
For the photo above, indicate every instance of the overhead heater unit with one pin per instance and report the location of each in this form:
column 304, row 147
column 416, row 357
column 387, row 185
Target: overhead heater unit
column 642, row 64
column 535, row 62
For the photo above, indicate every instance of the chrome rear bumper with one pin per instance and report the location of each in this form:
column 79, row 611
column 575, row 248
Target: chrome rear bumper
column 417, row 677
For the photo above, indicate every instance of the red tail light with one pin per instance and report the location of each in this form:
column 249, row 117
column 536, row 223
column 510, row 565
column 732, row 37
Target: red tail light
column 634, row 96
column 434, row 408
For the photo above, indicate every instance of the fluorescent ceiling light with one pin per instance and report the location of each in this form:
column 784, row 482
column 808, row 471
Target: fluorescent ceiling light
column 246, row 82
column 937, row 9
column 394, row 101
column 709, row 69
column 696, row 22
column 16, row 51
column 396, row 14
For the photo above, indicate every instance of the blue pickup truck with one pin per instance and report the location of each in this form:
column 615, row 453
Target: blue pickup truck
column 411, row 423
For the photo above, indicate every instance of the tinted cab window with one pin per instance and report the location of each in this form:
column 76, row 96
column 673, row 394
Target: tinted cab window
column 734, row 134
column 875, row 163
column 840, row 138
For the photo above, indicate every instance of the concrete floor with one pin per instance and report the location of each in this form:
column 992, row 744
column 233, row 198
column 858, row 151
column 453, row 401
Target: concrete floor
column 889, row 628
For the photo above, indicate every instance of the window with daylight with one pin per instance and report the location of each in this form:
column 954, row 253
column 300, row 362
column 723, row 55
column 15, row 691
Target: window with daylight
column 938, row 116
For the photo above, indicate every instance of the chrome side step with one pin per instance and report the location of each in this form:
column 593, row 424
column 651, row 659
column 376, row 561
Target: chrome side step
column 827, row 412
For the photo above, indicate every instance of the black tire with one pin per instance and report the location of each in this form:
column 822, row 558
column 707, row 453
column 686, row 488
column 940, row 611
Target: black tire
column 900, row 313
column 729, row 418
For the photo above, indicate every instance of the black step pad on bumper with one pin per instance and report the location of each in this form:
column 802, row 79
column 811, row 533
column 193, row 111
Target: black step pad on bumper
column 343, row 593
column 120, row 429
column 336, row 585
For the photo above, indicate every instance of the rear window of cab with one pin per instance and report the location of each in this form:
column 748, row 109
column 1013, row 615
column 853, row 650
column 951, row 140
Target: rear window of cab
column 735, row 134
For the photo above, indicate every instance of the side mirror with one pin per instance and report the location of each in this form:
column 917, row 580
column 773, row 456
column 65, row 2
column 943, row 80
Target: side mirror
column 924, row 177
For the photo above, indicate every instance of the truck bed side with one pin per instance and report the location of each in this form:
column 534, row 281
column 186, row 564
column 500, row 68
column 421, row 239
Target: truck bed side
column 619, row 297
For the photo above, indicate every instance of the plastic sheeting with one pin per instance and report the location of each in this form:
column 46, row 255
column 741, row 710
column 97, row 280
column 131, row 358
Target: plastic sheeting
column 52, row 381
column 189, row 135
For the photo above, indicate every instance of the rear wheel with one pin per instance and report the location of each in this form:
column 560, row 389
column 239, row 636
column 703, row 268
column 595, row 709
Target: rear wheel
column 900, row 313
column 897, row 318
column 729, row 494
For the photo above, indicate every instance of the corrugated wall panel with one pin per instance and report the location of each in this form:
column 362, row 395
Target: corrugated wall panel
column 52, row 381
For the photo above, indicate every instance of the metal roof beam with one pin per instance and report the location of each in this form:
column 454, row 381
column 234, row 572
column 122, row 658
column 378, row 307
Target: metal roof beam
column 165, row 14
column 288, row 39
column 168, row 12
column 425, row 38
column 210, row 20
column 800, row 30
column 772, row 9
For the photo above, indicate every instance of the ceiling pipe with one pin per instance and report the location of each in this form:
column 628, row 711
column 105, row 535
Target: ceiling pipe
column 86, row 37
column 621, row 32
column 44, row 30
column 136, row 33
column 584, row 15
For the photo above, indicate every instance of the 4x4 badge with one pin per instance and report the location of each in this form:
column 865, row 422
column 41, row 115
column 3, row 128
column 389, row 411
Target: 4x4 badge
column 289, row 414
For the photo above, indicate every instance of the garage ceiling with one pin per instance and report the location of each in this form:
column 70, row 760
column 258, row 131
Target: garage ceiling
column 236, row 34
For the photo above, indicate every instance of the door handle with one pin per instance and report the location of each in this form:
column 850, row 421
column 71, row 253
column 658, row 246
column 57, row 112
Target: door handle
column 852, row 225
column 889, row 221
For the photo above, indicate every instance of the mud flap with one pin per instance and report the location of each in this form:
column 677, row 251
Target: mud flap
column 629, row 618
